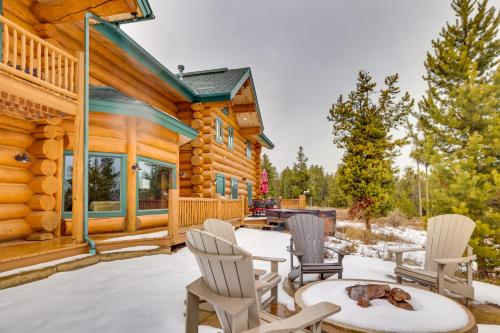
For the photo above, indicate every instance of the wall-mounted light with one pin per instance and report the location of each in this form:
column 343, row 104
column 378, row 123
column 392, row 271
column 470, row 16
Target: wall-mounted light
column 23, row 158
column 136, row 167
column 182, row 174
column 244, row 179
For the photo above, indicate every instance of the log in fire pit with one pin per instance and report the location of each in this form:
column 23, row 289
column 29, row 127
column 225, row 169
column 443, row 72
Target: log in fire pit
column 364, row 293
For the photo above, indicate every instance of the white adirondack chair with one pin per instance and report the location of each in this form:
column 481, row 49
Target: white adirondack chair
column 265, row 281
column 228, row 283
column 308, row 245
column 447, row 239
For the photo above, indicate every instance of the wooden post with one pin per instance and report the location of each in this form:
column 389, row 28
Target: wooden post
column 78, row 190
column 302, row 201
column 219, row 206
column 59, row 193
column 243, row 199
column 131, row 174
column 173, row 214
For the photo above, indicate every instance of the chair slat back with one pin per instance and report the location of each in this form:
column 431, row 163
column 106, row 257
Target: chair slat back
column 308, row 237
column 220, row 229
column 447, row 237
column 225, row 277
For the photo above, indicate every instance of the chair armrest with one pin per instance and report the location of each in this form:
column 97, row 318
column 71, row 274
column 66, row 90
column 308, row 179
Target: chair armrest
column 340, row 252
column 296, row 253
column 446, row 261
column 306, row 317
column 408, row 249
column 271, row 259
column 233, row 306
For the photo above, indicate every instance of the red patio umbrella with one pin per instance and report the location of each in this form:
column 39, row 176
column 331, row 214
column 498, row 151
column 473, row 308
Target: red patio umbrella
column 264, row 183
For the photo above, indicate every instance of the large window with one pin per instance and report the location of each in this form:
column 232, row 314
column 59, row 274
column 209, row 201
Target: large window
column 220, row 184
column 106, row 184
column 154, row 179
column 234, row 188
column 218, row 130
column 249, row 150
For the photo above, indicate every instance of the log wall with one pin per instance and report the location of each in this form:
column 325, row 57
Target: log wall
column 204, row 157
column 135, row 137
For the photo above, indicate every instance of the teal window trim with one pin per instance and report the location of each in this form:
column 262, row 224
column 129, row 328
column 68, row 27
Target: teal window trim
column 223, row 177
column 249, row 191
column 249, row 150
column 225, row 110
column 234, row 188
column 230, row 138
column 219, row 130
column 123, row 188
column 174, row 185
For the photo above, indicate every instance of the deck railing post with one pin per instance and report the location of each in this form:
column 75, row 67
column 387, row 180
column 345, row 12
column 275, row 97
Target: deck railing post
column 302, row 201
column 243, row 199
column 219, row 206
column 173, row 214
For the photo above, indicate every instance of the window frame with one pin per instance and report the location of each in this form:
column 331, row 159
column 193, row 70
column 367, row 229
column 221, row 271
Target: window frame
column 249, row 150
column 234, row 188
column 219, row 127
column 223, row 177
column 139, row 212
column 230, row 138
column 225, row 110
column 123, row 185
column 249, row 191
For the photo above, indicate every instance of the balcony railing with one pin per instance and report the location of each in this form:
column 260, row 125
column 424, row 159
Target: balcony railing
column 31, row 58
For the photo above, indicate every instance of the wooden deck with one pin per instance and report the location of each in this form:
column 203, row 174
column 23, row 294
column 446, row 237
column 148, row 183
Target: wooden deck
column 25, row 253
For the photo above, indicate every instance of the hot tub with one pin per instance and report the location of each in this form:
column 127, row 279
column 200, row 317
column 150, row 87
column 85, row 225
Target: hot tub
column 279, row 216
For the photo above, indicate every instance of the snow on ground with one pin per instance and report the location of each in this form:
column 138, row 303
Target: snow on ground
column 158, row 234
column 483, row 328
column 147, row 294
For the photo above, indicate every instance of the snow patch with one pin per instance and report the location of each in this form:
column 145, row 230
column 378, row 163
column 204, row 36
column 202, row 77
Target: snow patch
column 43, row 265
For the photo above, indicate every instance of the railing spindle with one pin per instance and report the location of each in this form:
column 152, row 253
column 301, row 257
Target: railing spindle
column 14, row 49
column 6, row 43
column 65, row 72
column 53, row 67
column 59, row 70
column 72, row 77
column 46, row 61
column 32, row 55
column 38, row 60
column 23, row 52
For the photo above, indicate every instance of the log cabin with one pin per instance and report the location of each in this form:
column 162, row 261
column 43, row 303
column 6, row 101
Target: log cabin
column 99, row 140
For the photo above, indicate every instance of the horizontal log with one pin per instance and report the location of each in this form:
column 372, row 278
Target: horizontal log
column 155, row 153
column 197, row 179
column 107, row 132
column 156, row 142
column 198, row 142
column 42, row 202
column 25, row 125
column 107, row 145
column 43, row 167
column 48, row 148
column 197, row 107
column 197, row 170
column 197, row 160
column 197, row 124
column 99, row 225
column 14, row 229
column 15, row 139
column 14, row 193
column 185, row 192
column 197, row 115
column 13, row 211
column 107, row 120
column 69, row 141
column 47, row 132
column 44, row 184
column 197, row 151
column 40, row 236
column 42, row 220
column 14, row 175
column 198, row 188
column 49, row 121
column 152, row 221
column 151, row 128
column 185, row 183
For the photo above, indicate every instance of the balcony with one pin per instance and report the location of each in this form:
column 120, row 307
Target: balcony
column 37, row 79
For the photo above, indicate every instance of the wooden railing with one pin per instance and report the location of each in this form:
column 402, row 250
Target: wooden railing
column 299, row 203
column 29, row 57
column 185, row 213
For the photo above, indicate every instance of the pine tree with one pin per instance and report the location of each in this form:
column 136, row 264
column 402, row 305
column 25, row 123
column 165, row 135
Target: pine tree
column 460, row 118
column 318, row 186
column 271, row 174
column 335, row 196
column 300, row 179
column 363, row 128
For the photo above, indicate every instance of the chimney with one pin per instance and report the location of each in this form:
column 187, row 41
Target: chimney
column 181, row 71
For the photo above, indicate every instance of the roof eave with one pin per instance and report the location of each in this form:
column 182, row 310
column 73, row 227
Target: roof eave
column 266, row 141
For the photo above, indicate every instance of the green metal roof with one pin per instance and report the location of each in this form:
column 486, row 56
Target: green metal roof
column 215, row 82
column 266, row 141
column 111, row 100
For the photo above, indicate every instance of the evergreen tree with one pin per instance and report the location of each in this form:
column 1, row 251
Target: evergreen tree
column 318, row 186
column 406, row 195
column 461, row 123
column 271, row 174
column 104, row 179
column 363, row 128
column 300, row 176
column 286, row 183
column 335, row 196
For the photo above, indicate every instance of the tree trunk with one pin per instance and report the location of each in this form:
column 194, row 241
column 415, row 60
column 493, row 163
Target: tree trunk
column 419, row 191
column 427, row 202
